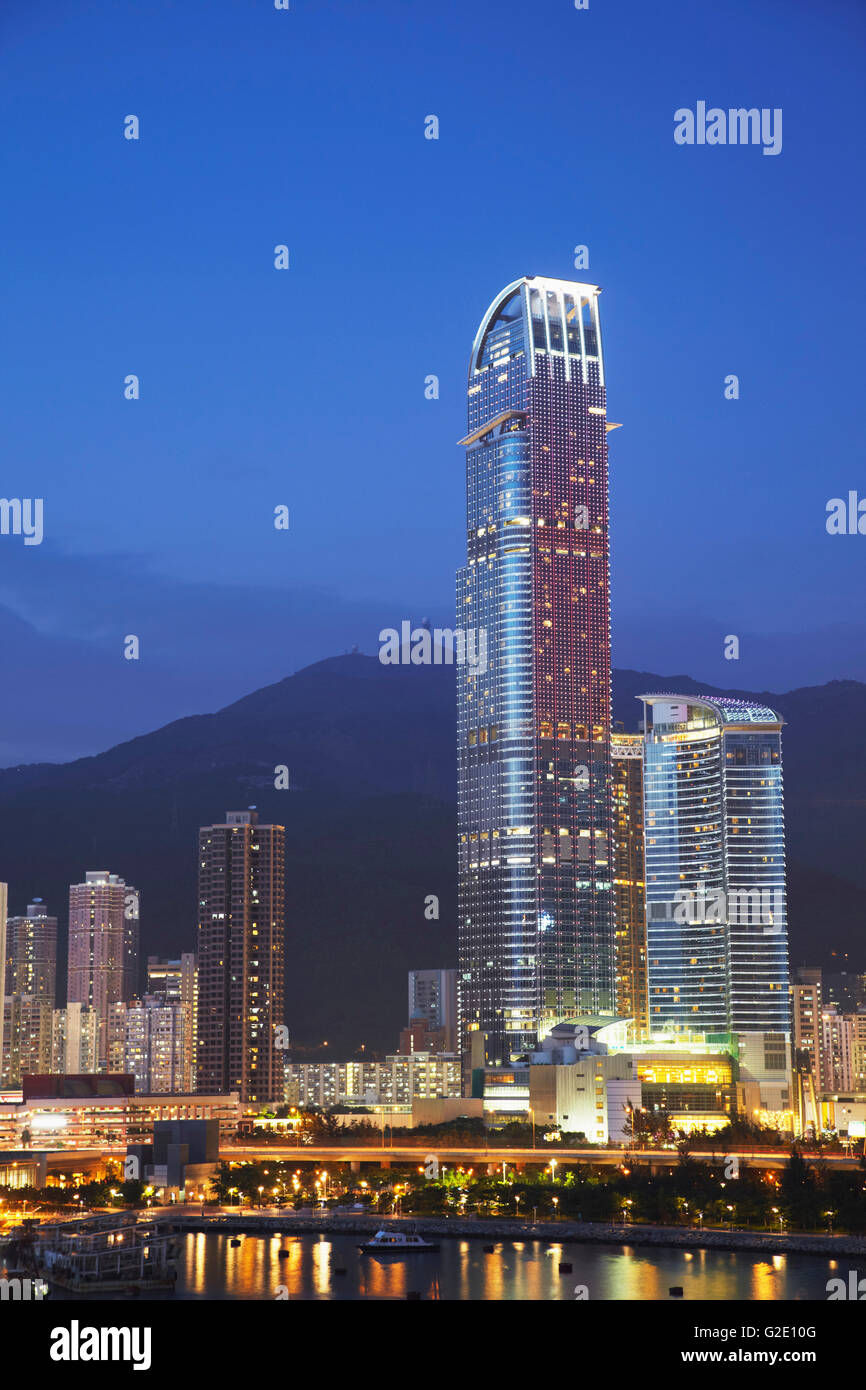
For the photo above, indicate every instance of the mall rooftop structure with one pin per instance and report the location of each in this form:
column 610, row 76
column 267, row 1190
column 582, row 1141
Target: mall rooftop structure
column 101, row 1112
column 587, row 1076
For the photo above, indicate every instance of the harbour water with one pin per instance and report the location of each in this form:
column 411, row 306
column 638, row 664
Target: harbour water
column 324, row 1267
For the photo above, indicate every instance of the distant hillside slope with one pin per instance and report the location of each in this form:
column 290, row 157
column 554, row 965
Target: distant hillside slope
column 370, row 822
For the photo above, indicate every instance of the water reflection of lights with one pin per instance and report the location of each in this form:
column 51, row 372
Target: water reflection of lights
column 322, row 1266
column 517, row 1270
column 764, row 1282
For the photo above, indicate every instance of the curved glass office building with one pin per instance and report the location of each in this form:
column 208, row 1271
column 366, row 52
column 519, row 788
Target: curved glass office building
column 715, row 866
column 535, row 914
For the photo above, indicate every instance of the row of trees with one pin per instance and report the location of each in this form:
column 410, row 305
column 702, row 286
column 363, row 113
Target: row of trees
column 104, row 1192
column 644, row 1129
column 804, row 1196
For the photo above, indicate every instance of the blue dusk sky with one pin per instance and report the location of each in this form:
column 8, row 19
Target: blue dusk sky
column 305, row 387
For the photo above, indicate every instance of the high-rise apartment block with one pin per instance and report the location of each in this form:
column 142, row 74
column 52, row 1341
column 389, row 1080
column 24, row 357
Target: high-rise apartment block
column 155, row 1042
column 99, row 940
column 30, row 982
column 837, row 1038
column 858, row 1052
column 27, row 1037
column 31, row 953
column 130, row 984
column 433, row 1000
column 241, row 942
column 75, row 1033
column 807, row 1006
column 398, row 1080
column 176, row 982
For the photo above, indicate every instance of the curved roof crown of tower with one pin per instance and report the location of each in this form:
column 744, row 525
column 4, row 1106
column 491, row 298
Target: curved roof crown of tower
column 726, row 709
column 565, row 302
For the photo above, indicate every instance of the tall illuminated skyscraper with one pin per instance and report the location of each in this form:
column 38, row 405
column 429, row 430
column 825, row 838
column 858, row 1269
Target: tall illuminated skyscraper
column 241, row 957
column 535, row 900
column 715, row 868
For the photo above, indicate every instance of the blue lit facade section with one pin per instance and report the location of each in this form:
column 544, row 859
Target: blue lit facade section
column 715, row 866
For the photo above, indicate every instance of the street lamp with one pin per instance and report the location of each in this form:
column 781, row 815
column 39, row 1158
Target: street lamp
column 552, row 1166
column 829, row 1215
column 555, row 1207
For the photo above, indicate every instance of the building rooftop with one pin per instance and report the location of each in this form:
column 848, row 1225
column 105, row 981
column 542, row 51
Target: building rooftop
column 725, row 709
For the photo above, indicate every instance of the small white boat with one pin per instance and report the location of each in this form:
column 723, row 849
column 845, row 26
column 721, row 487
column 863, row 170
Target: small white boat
column 396, row 1243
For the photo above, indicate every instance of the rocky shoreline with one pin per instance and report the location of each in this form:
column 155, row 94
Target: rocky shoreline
column 559, row 1232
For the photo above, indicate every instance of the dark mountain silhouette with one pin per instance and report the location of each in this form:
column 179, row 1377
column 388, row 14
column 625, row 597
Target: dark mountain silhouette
column 370, row 826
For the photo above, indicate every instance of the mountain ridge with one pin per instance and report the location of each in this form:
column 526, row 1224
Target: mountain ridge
column 370, row 822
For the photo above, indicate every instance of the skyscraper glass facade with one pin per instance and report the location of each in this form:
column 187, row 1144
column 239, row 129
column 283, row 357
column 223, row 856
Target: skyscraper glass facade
column 715, row 866
column 535, row 910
